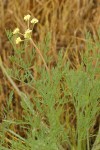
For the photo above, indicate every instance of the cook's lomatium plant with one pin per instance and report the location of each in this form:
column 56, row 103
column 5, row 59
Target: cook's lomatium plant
column 27, row 35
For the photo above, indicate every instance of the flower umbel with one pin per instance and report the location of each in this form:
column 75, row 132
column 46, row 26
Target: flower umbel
column 16, row 31
column 18, row 40
column 27, row 17
column 34, row 20
column 27, row 34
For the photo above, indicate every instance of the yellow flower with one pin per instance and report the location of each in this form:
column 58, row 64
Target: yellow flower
column 16, row 31
column 27, row 34
column 34, row 20
column 18, row 40
column 27, row 17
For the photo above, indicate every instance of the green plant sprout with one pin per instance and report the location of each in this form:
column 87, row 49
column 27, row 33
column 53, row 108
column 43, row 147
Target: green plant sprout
column 57, row 114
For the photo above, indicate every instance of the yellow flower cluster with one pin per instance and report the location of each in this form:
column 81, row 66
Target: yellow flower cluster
column 28, row 32
column 16, row 31
column 18, row 40
column 34, row 20
column 27, row 17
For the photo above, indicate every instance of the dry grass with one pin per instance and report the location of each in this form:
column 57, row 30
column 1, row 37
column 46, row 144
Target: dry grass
column 68, row 21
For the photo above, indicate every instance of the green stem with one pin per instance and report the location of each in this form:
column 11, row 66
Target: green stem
column 39, row 52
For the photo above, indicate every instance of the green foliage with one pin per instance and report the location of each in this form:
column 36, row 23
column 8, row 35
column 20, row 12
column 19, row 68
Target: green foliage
column 59, row 112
